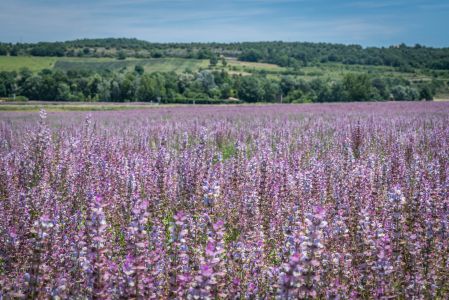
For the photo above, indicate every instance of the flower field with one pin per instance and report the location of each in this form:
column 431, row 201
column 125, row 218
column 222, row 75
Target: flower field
column 343, row 201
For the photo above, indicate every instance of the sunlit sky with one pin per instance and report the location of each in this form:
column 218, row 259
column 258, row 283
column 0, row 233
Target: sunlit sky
column 369, row 23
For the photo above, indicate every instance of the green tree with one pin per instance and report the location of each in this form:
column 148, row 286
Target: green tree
column 63, row 91
column 206, row 80
column 31, row 87
column 151, row 87
column 14, row 51
column 400, row 92
column 104, row 90
column 381, row 86
column 147, row 86
column 129, row 87
column 3, row 50
column 426, row 93
column 287, row 85
column 139, row 69
column 213, row 60
column 224, row 62
column 115, row 91
column 251, row 55
column 49, row 88
column 226, row 91
column 121, row 55
column 357, row 87
column 271, row 90
column 3, row 92
column 250, row 89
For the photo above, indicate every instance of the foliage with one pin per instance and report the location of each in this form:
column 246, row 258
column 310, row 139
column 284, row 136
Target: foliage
column 136, row 85
column 121, row 55
column 286, row 54
column 357, row 87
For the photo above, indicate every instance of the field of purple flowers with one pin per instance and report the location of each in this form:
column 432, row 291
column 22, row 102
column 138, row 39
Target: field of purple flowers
column 343, row 201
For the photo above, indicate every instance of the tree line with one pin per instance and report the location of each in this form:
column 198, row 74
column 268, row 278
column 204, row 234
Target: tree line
column 286, row 54
column 206, row 86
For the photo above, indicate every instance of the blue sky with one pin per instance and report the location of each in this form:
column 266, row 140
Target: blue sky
column 369, row 23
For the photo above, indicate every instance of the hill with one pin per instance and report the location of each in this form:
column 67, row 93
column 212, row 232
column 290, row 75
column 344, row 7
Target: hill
column 134, row 70
column 286, row 54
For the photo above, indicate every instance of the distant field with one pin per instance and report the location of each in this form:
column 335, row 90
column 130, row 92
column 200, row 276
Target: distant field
column 178, row 65
column 336, row 71
column 329, row 70
column 174, row 64
column 35, row 64
column 256, row 65
column 150, row 65
column 73, row 106
column 442, row 98
column 56, row 106
column 332, row 71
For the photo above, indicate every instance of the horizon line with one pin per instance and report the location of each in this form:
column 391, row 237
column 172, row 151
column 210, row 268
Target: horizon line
column 230, row 42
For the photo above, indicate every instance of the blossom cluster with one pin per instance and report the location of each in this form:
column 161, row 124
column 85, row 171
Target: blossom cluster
column 346, row 201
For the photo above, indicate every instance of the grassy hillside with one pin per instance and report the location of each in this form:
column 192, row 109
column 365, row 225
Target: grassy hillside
column 285, row 54
column 329, row 70
column 35, row 64
column 177, row 65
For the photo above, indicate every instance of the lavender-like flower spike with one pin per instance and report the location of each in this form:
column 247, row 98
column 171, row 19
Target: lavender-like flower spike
column 344, row 201
column 301, row 277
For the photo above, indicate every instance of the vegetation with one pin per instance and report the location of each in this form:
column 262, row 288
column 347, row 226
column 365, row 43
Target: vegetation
column 71, row 106
column 99, row 65
column 331, row 201
column 120, row 70
column 207, row 85
column 33, row 63
column 287, row 54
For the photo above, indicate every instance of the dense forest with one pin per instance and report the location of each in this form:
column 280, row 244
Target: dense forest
column 287, row 54
column 205, row 86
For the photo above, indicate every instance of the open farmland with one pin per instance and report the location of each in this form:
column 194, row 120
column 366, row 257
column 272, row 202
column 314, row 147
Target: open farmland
column 72, row 106
column 150, row 65
column 179, row 65
column 36, row 64
column 227, row 202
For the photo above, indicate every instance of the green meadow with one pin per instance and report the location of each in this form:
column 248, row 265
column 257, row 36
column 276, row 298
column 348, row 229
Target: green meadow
column 36, row 64
column 334, row 71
